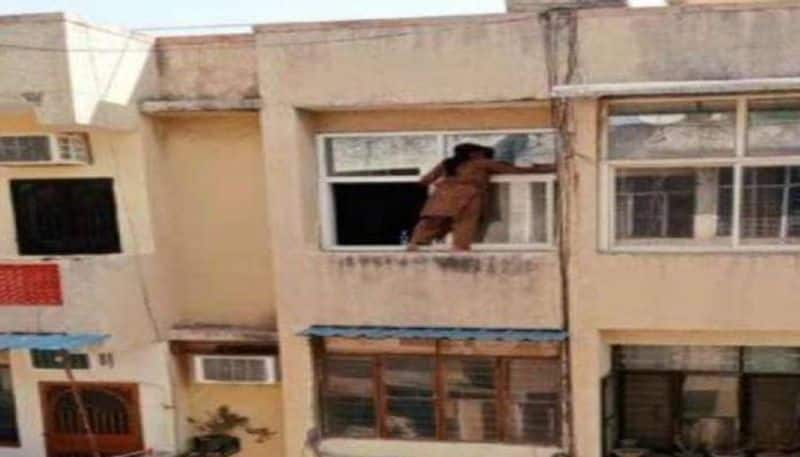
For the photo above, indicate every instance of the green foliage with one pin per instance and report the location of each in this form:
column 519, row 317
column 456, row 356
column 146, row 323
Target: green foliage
column 224, row 421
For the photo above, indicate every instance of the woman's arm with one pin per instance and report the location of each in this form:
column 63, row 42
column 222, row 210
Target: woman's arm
column 432, row 175
column 497, row 167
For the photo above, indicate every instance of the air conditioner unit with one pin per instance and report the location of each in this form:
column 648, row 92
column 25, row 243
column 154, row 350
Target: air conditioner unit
column 235, row 369
column 45, row 149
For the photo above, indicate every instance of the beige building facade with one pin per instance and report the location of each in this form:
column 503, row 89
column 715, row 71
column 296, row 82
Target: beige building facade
column 257, row 191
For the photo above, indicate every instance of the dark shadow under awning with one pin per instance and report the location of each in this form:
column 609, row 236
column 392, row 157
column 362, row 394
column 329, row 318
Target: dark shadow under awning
column 436, row 333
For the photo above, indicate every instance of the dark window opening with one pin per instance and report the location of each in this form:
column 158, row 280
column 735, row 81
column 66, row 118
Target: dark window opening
column 65, row 216
column 51, row 360
column 9, row 433
column 376, row 214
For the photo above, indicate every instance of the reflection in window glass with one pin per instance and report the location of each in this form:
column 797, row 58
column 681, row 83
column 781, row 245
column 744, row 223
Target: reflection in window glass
column 674, row 130
column 348, row 397
column 710, row 411
column 703, row 358
column 671, row 204
column 535, row 409
column 396, row 155
column 408, row 383
column 470, row 407
column 773, row 127
column 516, row 214
column 521, row 149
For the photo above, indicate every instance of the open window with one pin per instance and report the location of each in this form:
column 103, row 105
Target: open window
column 704, row 174
column 370, row 197
column 65, row 216
column 9, row 432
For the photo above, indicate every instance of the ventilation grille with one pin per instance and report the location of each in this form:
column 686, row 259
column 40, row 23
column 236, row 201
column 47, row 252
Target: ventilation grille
column 236, row 369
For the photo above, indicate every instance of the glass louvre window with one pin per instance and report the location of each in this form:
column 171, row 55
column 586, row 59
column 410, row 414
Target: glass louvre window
column 706, row 399
column 370, row 197
column 470, row 400
column 673, row 130
column 449, row 398
column 409, row 390
column 348, row 397
column 744, row 153
column 669, row 205
column 9, row 433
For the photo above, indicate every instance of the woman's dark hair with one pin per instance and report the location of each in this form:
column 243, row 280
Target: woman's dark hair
column 462, row 153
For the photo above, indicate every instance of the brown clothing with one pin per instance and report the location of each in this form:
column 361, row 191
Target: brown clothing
column 457, row 202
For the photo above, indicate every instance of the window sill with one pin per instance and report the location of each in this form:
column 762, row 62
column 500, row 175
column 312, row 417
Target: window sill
column 444, row 249
column 710, row 249
column 366, row 447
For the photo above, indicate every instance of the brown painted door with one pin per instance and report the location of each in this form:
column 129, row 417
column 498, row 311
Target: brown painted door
column 113, row 411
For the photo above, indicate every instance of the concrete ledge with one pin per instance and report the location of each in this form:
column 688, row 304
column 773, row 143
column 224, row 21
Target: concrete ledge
column 221, row 334
column 676, row 87
column 199, row 105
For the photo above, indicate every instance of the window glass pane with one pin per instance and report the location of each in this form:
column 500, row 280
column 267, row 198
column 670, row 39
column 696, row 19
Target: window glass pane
column 376, row 213
column 45, row 359
column 349, row 397
column 770, row 209
column 773, row 127
column 520, row 149
column 8, row 418
column 774, row 411
column 535, row 405
column 471, row 405
column 408, row 384
column 395, row 155
column 772, row 360
column 710, row 411
column 672, row 130
column 672, row 206
column 516, row 214
column 702, row 358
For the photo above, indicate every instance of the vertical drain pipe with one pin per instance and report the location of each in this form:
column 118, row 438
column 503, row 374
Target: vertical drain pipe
column 557, row 22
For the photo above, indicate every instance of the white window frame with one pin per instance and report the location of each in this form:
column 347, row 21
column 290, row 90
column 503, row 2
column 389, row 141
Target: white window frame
column 609, row 167
column 327, row 211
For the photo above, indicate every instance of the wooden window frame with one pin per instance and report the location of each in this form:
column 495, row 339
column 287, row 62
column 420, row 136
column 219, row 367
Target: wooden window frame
column 439, row 355
column 608, row 168
column 327, row 210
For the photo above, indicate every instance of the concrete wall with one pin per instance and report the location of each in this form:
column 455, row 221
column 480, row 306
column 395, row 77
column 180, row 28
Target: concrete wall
column 652, row 298
column 446, row 62
column 96, row 84
column 108, row 293
column 218, row 230
column 689, row 43
column 155, row 395
column 207, row 67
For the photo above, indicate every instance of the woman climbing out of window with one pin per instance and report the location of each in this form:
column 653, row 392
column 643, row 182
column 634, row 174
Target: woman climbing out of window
column 461, row 185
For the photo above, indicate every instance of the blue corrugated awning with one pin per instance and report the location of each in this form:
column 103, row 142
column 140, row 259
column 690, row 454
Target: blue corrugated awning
column 435, row 333
column 49, row 341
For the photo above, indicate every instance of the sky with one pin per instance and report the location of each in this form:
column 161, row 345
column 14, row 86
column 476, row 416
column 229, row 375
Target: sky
column 138, row 14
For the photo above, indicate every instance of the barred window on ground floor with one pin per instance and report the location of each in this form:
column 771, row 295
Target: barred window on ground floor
column 708, row 399
column 370, row 197
column 718, row 173
column 441, row 397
